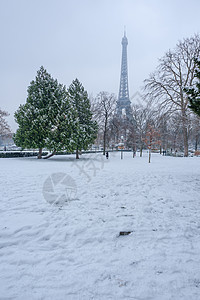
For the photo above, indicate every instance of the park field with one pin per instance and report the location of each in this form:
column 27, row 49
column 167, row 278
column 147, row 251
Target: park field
column 98, row 228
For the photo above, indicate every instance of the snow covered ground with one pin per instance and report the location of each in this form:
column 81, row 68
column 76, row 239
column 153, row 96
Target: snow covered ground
column 72, row 251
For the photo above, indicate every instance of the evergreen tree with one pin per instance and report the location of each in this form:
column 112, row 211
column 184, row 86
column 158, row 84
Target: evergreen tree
column 87, row 128
column 194, row 93
column 47, row 119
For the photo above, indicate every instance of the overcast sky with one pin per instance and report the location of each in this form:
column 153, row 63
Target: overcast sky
column 82, row 39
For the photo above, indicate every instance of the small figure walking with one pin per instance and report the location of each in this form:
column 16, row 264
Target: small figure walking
column 107, row 155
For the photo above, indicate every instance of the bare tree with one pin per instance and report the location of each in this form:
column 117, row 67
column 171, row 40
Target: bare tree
column 152, row 139
column 103, row 111
column 195, row 131
column 174, row 73
column 143, row 115
column 132, row 138
column 4, row 127
column 115, row 127
column 175, row 132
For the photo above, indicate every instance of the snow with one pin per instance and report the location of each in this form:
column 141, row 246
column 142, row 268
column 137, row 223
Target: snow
column 74, row 251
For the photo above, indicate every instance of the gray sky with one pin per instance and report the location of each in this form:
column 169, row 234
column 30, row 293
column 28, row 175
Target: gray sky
column 82, row 38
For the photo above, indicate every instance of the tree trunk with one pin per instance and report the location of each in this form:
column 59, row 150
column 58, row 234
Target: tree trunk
column 141, row 151
column 196, row 142
column 174, row 145
column 105, row 134
column 185, row 136
column 104, row 143
column 185, row 133
column 50, row 155
column 77, row 154
column 149, row 155
column 39, row 153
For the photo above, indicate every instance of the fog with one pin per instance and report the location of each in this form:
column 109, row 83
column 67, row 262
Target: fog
column 82, row 39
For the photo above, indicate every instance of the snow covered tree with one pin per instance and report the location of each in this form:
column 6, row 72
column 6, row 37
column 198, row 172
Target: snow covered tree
column 47, row 119
column 4, row 127
column 194, row 93
column 86, row 130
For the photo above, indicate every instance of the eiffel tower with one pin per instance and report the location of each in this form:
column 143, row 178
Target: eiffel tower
column 123, row 109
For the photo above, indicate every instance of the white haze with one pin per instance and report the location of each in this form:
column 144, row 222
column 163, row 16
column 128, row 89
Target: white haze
column 83, row 39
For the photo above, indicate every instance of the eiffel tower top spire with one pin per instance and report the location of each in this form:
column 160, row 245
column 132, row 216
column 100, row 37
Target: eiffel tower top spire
column 123, row 102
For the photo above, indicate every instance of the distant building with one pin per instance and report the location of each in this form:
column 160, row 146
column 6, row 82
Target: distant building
column 124, row 115
column 123, row 109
